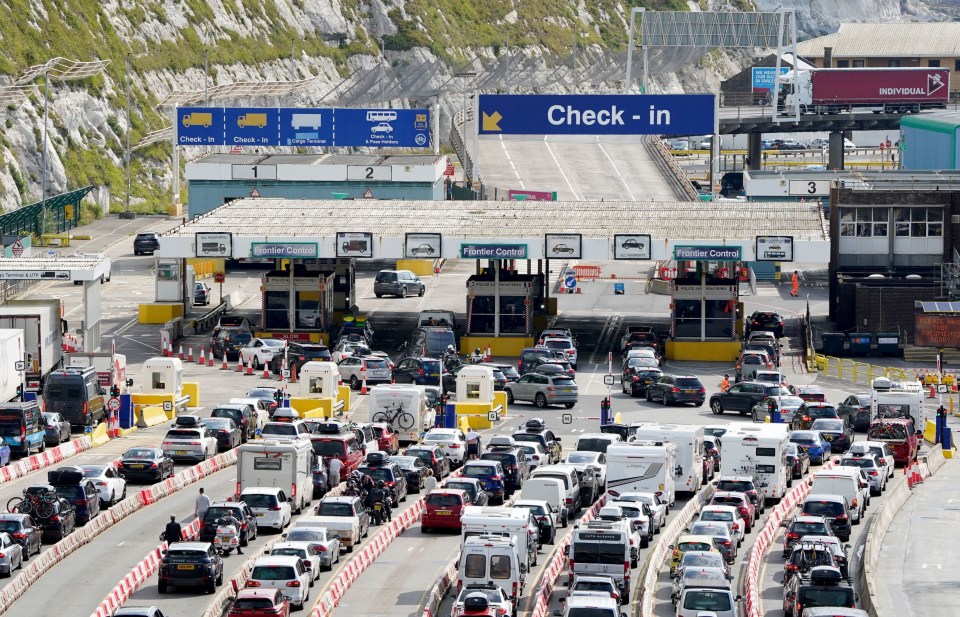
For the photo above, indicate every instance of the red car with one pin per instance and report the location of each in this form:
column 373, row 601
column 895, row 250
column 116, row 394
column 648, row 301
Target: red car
column 387, row 440
column 260, row 602
column 899, row 434
column 443, row 508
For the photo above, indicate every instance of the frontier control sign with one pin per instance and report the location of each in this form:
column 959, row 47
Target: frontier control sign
column 707, row 253
column 278, row 250
column 596, row 114
column 493, row 251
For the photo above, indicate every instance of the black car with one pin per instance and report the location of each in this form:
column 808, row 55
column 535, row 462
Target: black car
column 239, row 510
column 145, row 464
column 636, row 340
column 56, row 429
column 71, row 484
column 677, row 389
column 838, row 432
column 855, row 409
column 60, row 519
column 509, row 371
column 419, row 371
column 535, row 431
column 415, row 470
column 514, row 463
column 392, row 476
column 473, row 489
column 637, row 378
column 739, row 398
column 146, row 242
column 227, row 432
column 269, row 395
column 242, row 414
column 807, row 413
column 190, row 564
column 798, row 460
column 772, row 351
column 433, row 457
column 24, row 531
column 228, row 342
column 766, row 321
column 822, row 586
column 299, row 354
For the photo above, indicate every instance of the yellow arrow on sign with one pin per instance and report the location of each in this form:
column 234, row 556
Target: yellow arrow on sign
column 490, row 121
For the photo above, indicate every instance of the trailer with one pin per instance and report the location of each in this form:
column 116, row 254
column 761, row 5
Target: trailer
column 879, row 90
column 42, row 336
column 11, row 352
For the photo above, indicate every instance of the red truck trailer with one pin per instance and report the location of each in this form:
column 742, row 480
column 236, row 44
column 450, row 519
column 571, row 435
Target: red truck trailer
column 888, row 90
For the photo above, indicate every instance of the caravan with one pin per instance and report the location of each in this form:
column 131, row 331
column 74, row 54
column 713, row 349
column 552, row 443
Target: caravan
column 404, row 408
column 642, row 467
column 892, row 399
column 284, row 465
column 759, row 450
column 690, row 450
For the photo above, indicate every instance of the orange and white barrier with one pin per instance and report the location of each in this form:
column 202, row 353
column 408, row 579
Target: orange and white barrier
column 45, row 459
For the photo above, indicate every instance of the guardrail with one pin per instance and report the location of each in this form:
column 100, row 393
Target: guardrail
column 675, row 176
column 45, row 459
column 457, row 140
column 862, row 373
column 441, row 587
column 209, row 319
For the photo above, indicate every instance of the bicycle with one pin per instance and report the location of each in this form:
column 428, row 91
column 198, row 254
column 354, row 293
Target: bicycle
column 403, row 419
column 40, row 504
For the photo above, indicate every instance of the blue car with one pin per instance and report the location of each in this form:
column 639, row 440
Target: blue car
column 4, row 455
column 490, row 475
column 813, row 442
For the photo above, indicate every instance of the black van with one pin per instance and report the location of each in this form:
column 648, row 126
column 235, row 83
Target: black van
column 430, row 342
column 75, row 394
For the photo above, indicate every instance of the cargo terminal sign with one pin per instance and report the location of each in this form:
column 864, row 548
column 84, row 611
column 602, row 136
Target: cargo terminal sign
column 271, row 126
column 596, row 114
column 707, row 253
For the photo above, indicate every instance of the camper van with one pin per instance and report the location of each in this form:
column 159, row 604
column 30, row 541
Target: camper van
column 495, row 560
column 893, row 399
column 642, row 467
column 404, row 408
column 759, row 450
column 690, row 450
column 286, row 465
column 517, row 524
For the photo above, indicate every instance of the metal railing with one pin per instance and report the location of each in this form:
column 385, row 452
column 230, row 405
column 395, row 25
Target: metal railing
column 458, row 141
column 860, row 373
column 671, row 171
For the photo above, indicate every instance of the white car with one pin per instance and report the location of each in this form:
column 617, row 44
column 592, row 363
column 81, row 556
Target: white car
column 259, row 351
column 269, row 504
column 556, row 332
column 452, row 440
column 303, row 550
column 497, row 599
column 345, row 349
column 581, row 459
column 110, row 486
column 383, row 127
column 880, row 449
column 285, row 573
column 867, row 462
column 725, row 514
column 563, row 344
column 536, row 455
column 657, row 505
column 639, row 521
column 189, row 443
column 286, row 431
column 11, row 554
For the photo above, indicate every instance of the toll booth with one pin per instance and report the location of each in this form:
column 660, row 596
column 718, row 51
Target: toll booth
column 163, row 393
column 476, row 399
column 300, row 297
column 320, row 391
column 705, row 311
column 501, row 310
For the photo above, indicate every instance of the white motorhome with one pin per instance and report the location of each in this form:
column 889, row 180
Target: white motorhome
column 602, row 548
column 642, row 467
column 759, row 450
column 690, row 451
column 493, row 560
column 514, row 523
column 42, row 336
column 404, row 408
column 11, row 352
column 286, row 465
column 896, row 399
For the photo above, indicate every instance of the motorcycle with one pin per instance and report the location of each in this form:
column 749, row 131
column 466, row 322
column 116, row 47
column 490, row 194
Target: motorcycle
column 377, row 512
column 226, row 539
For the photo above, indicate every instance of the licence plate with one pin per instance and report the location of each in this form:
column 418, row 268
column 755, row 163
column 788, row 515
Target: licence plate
column 185, row 566
column 828, row 437
column 136, row 466
column 443, row 513
column 377, row 507
column 689, row 391
column 181, row 452
column 260, row 514
column 567, row 390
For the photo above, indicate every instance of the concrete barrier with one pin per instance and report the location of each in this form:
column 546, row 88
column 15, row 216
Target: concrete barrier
column 440, row 588
column 45, row 459
column 59, row 551
column 99, row 435
column 151, row 416
column 226, row 595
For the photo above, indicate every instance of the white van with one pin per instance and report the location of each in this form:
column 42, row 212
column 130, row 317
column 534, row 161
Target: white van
column 716, row 601
column 602, row 548
column 571, row 484
column 690, row 451
column 515, row 523
column 550, row 490
column 404, row 408
column 843, row 481
column 492, row 560
column 286, row 465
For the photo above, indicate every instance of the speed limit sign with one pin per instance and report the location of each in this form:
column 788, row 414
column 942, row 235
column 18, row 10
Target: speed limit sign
column 113, row 404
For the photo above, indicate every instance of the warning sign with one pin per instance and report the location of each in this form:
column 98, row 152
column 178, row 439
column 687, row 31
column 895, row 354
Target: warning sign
column 368, row 194
column 17, row 248
column 254, row 193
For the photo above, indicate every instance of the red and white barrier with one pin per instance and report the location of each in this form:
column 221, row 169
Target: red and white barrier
column 45, row 459
column 764, row 540
column 59, row 551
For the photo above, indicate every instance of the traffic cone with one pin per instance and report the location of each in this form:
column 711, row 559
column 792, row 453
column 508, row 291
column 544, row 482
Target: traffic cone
column 163, row 352
column 190, row 355
column 363, row 385
column 210, row 359
column 933, row 392
column 266, row 372
column 239, row 363
column 489, row 357
column 915, row 474
column 249, row 367
column 180, row 355
column 224, row 366
column 203, row 358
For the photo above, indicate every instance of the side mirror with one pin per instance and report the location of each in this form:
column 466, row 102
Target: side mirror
column 783, row 523
column 283, row 536
column 671, row 547
column 523, row 568
column 557, row 613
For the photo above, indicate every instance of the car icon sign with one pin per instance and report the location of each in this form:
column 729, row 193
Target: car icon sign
column 631, row 244
column 383, row 127
column 562, row 248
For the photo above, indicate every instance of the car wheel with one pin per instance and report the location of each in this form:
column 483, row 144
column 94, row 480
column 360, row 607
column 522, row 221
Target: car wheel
column 716, row 407
column 649, row 396
column 569, row 405
column 663, row 399
column 256, row 363
column 510, row 398
column 354, row 382
column 541, row 400
column 403, row 292
column 161, row 587
column 378, row 295
column 423, row 290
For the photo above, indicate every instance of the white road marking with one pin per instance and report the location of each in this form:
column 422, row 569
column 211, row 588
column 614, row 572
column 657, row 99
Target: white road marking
column 617, row 171
column 576, row 195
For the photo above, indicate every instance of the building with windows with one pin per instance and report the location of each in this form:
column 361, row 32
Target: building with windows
column 888, row 45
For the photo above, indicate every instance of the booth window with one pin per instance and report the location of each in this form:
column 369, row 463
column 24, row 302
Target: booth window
column 513, row 315
column 158, row 381
column 482, row 315
column 168, row 272
column 473, row 390
column 918, row 222
column 316, row 385
column 719, row 321
column 687, row 322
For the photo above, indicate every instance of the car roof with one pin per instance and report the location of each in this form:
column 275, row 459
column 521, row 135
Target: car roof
column 809, row 519
column 729, row 493
column 191, row 546
column 576, row 601
column 824, row 497
column 276, row 560
column 260, row 490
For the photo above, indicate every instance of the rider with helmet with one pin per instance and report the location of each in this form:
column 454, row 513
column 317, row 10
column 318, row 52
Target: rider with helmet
column 379, row 494
column 477, row 356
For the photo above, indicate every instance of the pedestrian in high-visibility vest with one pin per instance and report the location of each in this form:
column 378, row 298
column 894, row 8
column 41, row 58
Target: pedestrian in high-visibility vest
column 796, row 284
column 725, row 383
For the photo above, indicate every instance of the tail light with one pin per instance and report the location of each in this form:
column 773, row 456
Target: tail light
column 570, row 352
column 253, row 583
column 883, row 461
column 874, row 473
column 676, row 553
column 454, row 446
column 703, row 390
column 550, row 388
column 626, row 568
column 842, row 517
column 793, row 536
column 19, row 535
column 419, row 371
column 515, row 589
column 743, row 511
column 3, row 555
column 726, row 543
column 569, row 501
column 55, row 518
column 459, row 586
column 320, row 548
column 293, row 584
column 293, row 490
column 791, row 567
column 806, row 418
column 274, row 508
column 674, row 389
column 85, row 411
column 153, row 465
column 615, row 595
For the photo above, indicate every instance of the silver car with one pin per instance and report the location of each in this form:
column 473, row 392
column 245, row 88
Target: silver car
column 875, row 472
column 374, row 368
column 788, row 404
column 11, row 554
column 543, row 390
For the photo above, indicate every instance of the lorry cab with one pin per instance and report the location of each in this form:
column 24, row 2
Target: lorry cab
column 492, row 560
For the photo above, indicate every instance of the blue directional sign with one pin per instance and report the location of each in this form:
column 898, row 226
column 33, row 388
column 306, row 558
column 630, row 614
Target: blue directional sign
column 383, row 128
column 200, row 126
column 251, row 126
column 596, row 114
column 306, row 127
column 762, row 77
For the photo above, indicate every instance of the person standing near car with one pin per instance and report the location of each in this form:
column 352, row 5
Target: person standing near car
column 725, row 383
column 795, row 280
column 333, row 477
column 473, row 444
column 202, row 503
column 173, row 532
column 430, row 482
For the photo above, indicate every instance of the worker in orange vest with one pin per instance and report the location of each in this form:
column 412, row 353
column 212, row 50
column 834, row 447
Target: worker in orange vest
column 725, row 383
column 796, row 284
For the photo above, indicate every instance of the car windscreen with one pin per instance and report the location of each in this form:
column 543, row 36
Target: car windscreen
column 735, row 486
column 835, row 596
column 439, row 339
column 809, row 529
column 558, row 344
column 64, row 388
column 287, row 430
column 71, row 493
column 215, row 513
column 826, row 424
column 503, row 457
column 378, row 473
column 139, row 454
column 92, row 472
column 822, row 412
column 564, row 382
column 273, row 573
column 823, row 508
column 9, row 526
column 753, row 359
column 727, row 500
column 478, row 471
column 716, row 515
column 584, row 611
column 592, row 586
column 219, row 423
column 585, row 457
column 304, row 535
column 695, row 545
column 510, row 372
column 290, row 552
column 863, row 463
column 376, row 364
column 438, row 437
column 597, row 552
column 186, row 554
column 250, row 604
column 182, row 434
column 703, row 600
column 329, row 447
column 467, row 487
